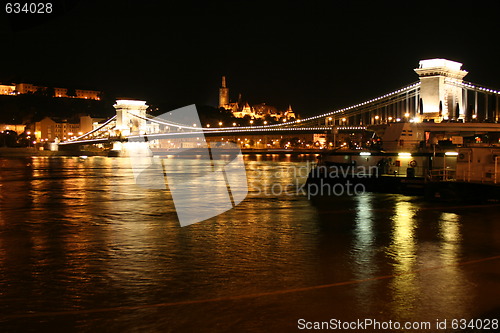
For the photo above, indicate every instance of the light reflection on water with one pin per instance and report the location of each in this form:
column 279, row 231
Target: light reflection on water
column 402, row 252
column 78, row 234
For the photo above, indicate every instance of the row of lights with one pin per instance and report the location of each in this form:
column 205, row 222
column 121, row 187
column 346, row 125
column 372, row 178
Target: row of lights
column 195, row 127
column 95, row 130
column 406, row 155
column 364, row 103
column 369, row 101
column 257, row 128
column 410, row 87
column 351, row 128
column 252, row 128
column 470, row 85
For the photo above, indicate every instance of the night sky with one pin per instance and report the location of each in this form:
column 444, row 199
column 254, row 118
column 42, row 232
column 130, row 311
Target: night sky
column 315, row 57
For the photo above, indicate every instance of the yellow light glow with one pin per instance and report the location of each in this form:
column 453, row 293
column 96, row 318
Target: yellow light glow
column 404, row 155
column 431, row 63
column 130, row 102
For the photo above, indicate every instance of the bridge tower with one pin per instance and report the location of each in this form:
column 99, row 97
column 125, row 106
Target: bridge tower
column 125, row 122
column 223, row 94
column 441, row 97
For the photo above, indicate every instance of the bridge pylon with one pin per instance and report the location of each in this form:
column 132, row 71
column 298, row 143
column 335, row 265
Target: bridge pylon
column 127, row 124
column 440, row 92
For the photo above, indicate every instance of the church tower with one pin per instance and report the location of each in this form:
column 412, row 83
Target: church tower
column 289, row 113
column 223, row 94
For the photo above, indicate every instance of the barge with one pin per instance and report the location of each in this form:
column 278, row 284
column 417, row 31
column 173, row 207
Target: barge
column 437, row 168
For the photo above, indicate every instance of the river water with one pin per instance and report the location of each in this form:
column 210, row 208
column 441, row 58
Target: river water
column 83, row 248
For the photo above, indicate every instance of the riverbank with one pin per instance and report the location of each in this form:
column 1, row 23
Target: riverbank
column 27, row 152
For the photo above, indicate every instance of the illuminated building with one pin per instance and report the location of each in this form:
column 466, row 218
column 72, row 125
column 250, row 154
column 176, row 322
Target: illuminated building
column 48, row 129
column 242, row 109
column 18, row 128
column 7, row 89
column 87, row 94
column 28, row 88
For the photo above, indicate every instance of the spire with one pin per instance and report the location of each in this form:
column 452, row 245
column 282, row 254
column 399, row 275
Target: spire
column 223, row 94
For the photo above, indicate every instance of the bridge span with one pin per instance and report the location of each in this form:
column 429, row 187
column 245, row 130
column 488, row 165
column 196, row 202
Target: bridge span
column 439, row 100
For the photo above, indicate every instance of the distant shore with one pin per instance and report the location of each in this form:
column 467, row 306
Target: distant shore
column 28, row 152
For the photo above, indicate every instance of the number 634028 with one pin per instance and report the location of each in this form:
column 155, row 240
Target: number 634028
column 28, row 7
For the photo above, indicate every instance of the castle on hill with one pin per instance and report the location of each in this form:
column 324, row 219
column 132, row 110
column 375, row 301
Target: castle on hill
column 241, row 109
column 29, row 88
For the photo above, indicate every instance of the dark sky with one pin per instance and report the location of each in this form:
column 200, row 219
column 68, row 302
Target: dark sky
column 315, row 57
